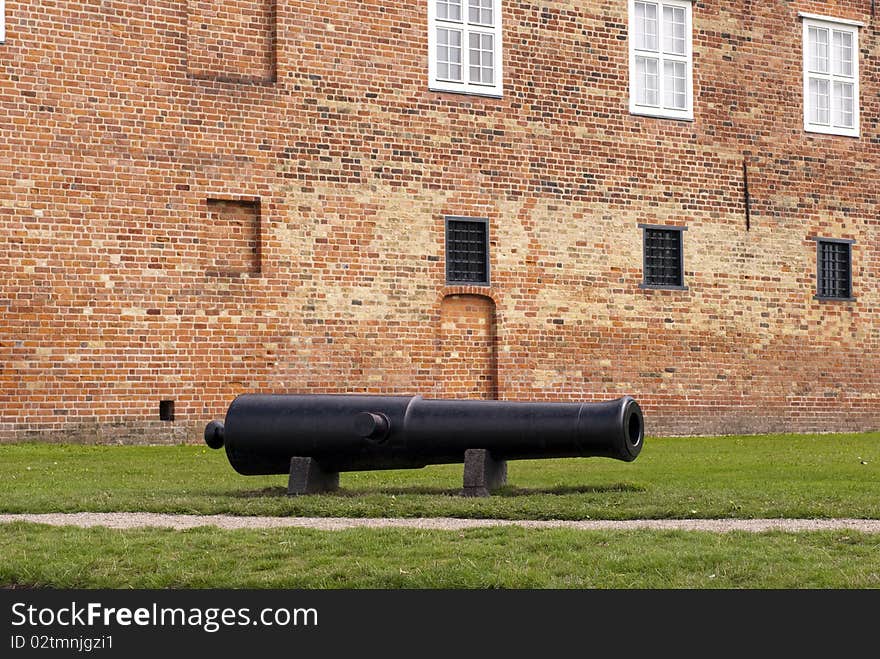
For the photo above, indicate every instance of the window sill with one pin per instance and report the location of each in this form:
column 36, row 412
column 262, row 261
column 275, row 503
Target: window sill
column 479, row 284
column 658, row 114
column 467, row 92
column 654, row 287
column 823, row 130
column 825, row 298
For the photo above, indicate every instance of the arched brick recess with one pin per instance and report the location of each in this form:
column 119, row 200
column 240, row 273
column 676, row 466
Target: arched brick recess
column 468, row 347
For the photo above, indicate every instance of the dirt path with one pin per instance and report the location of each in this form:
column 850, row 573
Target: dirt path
column 140, row 520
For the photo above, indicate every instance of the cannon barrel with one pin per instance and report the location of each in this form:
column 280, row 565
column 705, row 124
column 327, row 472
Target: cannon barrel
column 263, row 433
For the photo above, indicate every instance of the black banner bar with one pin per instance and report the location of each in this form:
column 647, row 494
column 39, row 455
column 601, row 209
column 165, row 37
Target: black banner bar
column 410, row 622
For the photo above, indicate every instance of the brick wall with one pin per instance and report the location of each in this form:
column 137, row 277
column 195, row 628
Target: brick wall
column 132, row 131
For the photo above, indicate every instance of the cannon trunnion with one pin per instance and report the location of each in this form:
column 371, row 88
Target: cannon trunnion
column 313, row 437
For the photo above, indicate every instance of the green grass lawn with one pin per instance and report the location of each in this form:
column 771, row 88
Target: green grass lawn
column 36, row 555
column 727, row 477
column 744, row 477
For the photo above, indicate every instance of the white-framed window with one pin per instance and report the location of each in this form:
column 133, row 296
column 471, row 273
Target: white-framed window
column 464, row 46
column 661, row 58
column 2, row 21
column 831, row 75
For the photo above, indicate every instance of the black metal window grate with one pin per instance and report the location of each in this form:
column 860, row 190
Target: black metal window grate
column 835, row 269
column 663, row 257
column 467, row 251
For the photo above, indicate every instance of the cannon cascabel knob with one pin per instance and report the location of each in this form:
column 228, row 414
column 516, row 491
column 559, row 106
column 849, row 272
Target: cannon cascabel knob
column 214, row 435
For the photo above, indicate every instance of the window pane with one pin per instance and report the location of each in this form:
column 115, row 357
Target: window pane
column 819, row 101
column 646, row 26
column 467, row 251
column 482, row 58
column 674, row 30
column 818, row 49
column 674, row 87
column 835, row 269
column 449, row 10
column 843, row 53
column 480, row 11
column 843, row 104
column 663, row 254
column 647, row 88
column 448, row 54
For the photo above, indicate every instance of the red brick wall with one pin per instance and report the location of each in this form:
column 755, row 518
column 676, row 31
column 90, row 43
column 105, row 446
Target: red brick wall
column 120, row 120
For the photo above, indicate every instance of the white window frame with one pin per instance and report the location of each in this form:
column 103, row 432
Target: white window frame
column 2, row 21
column 465, row 86
column 832, row 25
column 660, row 110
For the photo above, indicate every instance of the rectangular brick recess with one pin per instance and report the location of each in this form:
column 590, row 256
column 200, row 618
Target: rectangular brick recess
column 119, row 120
column 231, row 239
column 233, row 40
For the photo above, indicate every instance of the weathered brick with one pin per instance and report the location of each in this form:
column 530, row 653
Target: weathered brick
column 121, row 121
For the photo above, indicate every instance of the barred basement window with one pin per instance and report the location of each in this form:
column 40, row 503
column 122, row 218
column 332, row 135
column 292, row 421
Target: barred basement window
column 833, row 269
column 464, row 46
column 831, row 75
column 467, row 251
column 663, row 257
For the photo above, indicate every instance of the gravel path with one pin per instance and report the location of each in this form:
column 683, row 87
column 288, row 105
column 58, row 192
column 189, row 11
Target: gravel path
column 140, row 520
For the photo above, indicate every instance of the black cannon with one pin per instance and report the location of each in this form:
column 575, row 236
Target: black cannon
column 314, row 437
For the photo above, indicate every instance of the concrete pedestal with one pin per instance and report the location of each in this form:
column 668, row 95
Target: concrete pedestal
column 307, row 477
column 482, row 473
